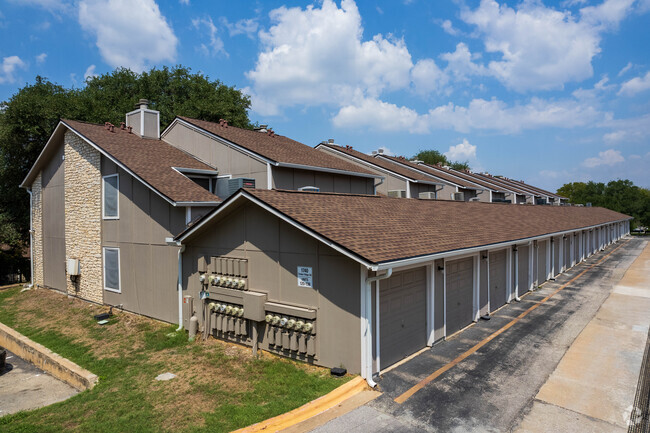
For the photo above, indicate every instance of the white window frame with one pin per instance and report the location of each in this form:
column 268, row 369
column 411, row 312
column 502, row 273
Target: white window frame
column 117, row 187
column 119, row 269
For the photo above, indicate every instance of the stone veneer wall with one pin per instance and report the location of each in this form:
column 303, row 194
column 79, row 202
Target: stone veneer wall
column 37, row 226
column 83, row 215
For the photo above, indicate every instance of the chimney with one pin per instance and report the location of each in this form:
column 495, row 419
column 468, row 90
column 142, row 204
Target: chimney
column 144, row 121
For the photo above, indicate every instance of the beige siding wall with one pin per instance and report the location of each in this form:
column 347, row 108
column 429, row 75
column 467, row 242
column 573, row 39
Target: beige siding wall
column 227, row 159
column 37, row 226
column 292, row 179
column 83, row 216
column 274, row 250
column 148, row 266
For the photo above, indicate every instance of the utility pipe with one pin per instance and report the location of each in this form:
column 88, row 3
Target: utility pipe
column 368, row 336
column 516, row 260
column 172, row 242
column 31, row 239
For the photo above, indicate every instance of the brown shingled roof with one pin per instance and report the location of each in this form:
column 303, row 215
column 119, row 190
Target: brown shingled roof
column 276, row 147
column 382, row 163
column 151, row 160
column 440, row 175
column 382, row 229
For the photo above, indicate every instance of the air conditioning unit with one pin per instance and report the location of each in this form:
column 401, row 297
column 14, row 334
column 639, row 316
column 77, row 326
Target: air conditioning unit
column 429, row 195
column 73, row 267
column 398, row 193
column 458, row 196
column 309, row 188
column 239, row 182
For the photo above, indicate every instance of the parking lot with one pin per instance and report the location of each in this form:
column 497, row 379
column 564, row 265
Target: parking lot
column 25, row 387
column 485, row 382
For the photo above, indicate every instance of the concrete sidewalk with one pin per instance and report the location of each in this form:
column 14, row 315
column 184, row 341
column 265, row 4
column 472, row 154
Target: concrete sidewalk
column 593, row 387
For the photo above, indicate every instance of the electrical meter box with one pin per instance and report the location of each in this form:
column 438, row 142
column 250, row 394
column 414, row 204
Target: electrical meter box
column 254, row 305
column 73, row 267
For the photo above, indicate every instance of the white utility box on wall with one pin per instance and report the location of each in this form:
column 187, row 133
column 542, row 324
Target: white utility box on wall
column 73, row 267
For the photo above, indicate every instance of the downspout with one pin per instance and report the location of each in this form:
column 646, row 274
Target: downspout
column 31, row 238
column 516, row 260
column 180, row 287
column 172, row 243
column 377, row 184
column 368, row 336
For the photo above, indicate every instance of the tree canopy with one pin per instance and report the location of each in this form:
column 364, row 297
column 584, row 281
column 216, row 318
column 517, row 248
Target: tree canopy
column 29, row 117
column 434, row 157
column 618, row 195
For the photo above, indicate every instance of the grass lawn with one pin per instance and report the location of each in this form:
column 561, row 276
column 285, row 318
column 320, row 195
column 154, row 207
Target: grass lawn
column 219, row 386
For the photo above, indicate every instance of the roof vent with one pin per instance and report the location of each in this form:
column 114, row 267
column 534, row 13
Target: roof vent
column 262, row 128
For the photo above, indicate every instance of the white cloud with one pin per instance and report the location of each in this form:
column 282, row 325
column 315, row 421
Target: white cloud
column 460, row 64
column 635, row 129
column 41, row 58
column 542, row 48
column 608, row 14
column 184, row 2
column 625, row 69
column 215, row 44
column 635, row 85
column 448, row 27
column 131, row 34
column 317, row 55
column 427, row 77
column 246, row 27
column 462, row 151
column 608, row 157
column 9, row 67
column 479, row 114
column 90, row 72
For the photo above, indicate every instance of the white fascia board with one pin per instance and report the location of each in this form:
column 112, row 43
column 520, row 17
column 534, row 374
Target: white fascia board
column 466, row 251
column 442, row 181
column 40, row 155
column 184, row 171
column 283, row 217
column 217, row 138
column 376, row 167
column 327, row 170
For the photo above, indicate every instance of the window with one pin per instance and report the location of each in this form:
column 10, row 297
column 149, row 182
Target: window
column 110, row 196
column 112, row 269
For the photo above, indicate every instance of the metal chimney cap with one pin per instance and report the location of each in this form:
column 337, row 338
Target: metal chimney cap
column 142, row 103
column 330, row 141
column 380, row 150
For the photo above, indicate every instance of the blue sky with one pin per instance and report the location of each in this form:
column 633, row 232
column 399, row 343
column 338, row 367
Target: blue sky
column 548, row 92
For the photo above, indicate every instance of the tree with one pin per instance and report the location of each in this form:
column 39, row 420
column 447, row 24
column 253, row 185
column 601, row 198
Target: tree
column 434, row 157
column 29, row 117
column 618, row 195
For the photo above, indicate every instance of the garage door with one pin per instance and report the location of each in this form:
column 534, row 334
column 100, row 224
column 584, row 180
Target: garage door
column 403, row 315
column 541, row 261
column 556, row 256
column 524, row 262
column 498, row 288
column 460, row 293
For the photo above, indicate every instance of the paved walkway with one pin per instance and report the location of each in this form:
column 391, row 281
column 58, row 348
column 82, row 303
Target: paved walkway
column 593, row 387
column 25, row 387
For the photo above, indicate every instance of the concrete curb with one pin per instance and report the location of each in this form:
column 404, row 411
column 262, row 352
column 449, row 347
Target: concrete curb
column 42, row 357
column 310, row 409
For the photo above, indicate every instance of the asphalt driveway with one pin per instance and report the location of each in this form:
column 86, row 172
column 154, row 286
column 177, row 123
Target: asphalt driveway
column 493, row 388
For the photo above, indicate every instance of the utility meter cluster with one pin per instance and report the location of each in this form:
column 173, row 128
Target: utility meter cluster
column 291, row 334
column 227, row 319
column 227, row 272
